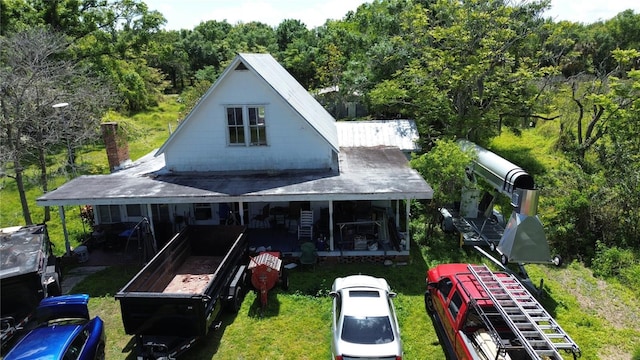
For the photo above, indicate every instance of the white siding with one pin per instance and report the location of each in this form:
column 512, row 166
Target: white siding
column 203, row 145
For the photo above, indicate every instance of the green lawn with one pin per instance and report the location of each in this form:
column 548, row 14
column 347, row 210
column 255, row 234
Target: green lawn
column 601, row 317
column 295, row 323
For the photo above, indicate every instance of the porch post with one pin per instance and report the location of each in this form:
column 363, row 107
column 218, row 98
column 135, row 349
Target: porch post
column 331, row 225
column 67, row 245
column 241, row 212
column 150, row 217
column 407, row 236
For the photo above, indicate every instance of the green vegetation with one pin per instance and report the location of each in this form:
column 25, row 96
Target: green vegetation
column 561, row 100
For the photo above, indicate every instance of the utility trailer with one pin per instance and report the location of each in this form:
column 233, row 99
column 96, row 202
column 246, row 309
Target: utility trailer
column 181, row 293
column 29, row 272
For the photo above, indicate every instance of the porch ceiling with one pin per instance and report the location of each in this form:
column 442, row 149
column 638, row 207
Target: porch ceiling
column 366, row 173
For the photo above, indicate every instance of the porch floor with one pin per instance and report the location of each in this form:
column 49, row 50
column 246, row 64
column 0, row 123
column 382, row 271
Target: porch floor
column 273, row 238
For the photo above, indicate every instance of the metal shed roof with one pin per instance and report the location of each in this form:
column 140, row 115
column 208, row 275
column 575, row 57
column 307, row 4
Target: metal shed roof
column 402, row 133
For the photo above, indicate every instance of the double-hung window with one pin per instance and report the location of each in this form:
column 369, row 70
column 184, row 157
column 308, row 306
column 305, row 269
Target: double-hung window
column 246, row 125
column 109, row 214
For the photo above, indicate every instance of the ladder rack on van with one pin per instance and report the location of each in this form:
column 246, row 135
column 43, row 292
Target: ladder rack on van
column 539, row 333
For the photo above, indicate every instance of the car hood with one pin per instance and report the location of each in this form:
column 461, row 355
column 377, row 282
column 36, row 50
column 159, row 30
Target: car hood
column 44, row 343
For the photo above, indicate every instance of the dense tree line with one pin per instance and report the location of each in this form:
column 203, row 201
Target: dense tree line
column 461, row 69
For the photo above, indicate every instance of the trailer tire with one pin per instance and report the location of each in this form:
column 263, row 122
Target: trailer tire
column 54, row 289
column 100, row 355
column 557, row 261
column 236, row 301
column 504, row 260
column 285, row 281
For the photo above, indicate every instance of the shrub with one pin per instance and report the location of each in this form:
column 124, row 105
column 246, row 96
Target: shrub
column 614, row 262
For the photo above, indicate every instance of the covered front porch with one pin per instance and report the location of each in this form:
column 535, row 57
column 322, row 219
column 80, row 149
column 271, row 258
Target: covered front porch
column 347, row 228
column 362, row 209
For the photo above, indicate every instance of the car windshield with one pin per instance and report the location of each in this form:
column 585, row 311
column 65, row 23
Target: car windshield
column 367, row 330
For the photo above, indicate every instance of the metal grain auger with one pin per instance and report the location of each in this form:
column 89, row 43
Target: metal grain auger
column 522, row 240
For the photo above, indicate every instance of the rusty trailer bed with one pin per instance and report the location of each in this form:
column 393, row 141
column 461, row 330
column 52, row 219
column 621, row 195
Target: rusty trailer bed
column 193, row 276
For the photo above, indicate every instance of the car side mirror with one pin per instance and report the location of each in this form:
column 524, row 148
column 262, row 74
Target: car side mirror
column 333, row 294
column 392, row 295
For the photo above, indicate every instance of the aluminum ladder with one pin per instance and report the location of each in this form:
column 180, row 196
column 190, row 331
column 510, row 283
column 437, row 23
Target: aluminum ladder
column 541, row 336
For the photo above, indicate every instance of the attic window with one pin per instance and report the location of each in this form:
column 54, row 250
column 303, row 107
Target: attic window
column 246, row 125
column 241, row 66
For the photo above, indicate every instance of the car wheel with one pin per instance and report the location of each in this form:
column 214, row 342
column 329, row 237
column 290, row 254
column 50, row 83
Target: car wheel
column 428, row 303
column 100, row 353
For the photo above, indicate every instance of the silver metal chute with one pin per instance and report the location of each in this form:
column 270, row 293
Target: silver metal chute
column 523, row 239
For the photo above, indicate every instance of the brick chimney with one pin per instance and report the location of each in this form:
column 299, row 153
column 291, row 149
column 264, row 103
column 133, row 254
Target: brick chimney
column 116, row 143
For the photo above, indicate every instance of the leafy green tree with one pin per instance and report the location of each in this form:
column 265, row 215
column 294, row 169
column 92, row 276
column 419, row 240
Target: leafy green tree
column 119, row 30
column 444, row 169
column 620, row 32
column 168, row 54
column 297, row 51
column 620, row 153
column 472, row 57
column 253, row 37
column 207, row 45
column 600, row 102
column 17, row 15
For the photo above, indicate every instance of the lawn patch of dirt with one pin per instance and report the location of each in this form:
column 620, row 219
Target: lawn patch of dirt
column 606, row 301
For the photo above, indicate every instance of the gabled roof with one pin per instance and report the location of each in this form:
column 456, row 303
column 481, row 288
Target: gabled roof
column 285, row 85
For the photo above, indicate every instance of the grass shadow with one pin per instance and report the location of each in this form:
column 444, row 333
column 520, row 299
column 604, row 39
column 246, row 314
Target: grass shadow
column 271, row 308
column 207, row 346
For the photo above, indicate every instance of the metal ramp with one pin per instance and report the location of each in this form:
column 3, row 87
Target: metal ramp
column 539, row 333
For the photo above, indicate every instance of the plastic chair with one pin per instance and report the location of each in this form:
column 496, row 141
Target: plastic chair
column 305, row 225
column 263, row 217
column 309, row 255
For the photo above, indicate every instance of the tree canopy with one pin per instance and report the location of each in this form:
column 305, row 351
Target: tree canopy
column 460, row 69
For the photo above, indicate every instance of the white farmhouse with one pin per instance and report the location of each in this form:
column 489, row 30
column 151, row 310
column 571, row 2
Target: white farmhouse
column 259, row 150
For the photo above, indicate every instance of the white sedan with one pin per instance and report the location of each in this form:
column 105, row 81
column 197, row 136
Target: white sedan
column 364, row 320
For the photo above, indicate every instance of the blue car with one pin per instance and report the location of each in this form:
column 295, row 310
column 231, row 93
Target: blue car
column 63, row 330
